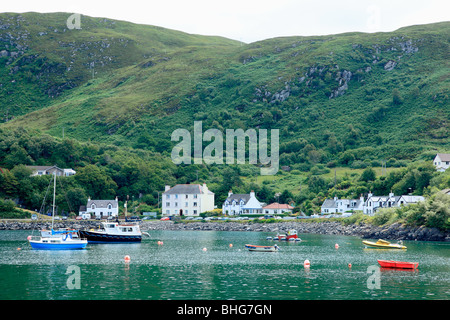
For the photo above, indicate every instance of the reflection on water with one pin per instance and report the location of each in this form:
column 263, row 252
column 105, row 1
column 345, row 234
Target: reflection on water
column 180, row 269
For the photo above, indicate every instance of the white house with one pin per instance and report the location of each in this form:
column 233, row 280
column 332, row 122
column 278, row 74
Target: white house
column 102, row 208
column 187, row 200
column 442, row 161
column 372, row 203
column 277, row 208
column 337, row 205
column 45, row 170
column 242, row 204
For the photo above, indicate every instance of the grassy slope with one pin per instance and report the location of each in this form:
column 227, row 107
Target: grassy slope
column 158, row 80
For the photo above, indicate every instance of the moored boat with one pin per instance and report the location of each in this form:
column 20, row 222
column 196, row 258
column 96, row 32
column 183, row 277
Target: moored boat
column 398, row 264
column 291, row 235
column 63, row 239
column 113, row 232
column 252, row 247
column 384, row 244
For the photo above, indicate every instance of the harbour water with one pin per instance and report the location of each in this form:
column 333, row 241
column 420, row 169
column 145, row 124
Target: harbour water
column 214, row 265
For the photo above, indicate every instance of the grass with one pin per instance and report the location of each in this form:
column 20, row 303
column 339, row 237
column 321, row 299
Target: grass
column 149, row 81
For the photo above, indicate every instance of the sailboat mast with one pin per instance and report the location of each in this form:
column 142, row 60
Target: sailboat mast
column 54, row 196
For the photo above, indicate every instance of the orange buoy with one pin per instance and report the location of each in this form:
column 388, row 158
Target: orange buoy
column 127, row 258
column 231, row 245
column 204, row 249
column 350, row 265
column 29, row 238
column 306, row 263
column 336, row 246
column 18, row 249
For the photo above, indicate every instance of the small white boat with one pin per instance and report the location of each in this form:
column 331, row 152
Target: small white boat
column 252, row 247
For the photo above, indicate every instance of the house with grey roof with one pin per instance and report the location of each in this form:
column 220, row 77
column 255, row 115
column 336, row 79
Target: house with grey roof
column 337, row 205
column 373, row 203
column 102, row 208
column 442, row 161
column 237, row 204
column 46, row 170
column 187, row 200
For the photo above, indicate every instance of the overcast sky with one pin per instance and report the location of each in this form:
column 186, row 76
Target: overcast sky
column 253, row 20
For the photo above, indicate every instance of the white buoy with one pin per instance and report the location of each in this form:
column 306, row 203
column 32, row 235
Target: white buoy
column 336, row 246
column 127, row 258
column 204, row 249
column 306, row 263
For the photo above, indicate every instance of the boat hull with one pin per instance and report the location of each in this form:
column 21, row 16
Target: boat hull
column 398, row 264
column 58, row 246
column 251, row 247
column 96, row 237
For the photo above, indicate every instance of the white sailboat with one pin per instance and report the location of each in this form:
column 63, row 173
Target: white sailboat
column 57, row 239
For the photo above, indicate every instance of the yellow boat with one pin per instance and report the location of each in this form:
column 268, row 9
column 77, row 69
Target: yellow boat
column 384, row 244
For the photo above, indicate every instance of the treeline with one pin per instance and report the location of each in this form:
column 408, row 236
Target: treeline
column 106, row 171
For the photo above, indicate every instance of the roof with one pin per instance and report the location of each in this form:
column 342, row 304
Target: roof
column 413, row 199
column 238, row 197
column 444, row 156
column 42, row 167
column 329, row 203
column 186, row 189
column 102, row 203
column 277, row 205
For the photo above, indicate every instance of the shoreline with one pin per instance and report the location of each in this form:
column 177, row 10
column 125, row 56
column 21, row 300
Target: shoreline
column 394, row 231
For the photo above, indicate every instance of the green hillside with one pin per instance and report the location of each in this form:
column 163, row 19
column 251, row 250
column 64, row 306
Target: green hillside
column 349, row 100
column 122, row 83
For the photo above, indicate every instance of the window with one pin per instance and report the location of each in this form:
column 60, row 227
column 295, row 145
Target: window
column 167, row 204
column 109, row 206
column 93, row 206
column 186, row 211
column 167, row 211
column 195, row 196
column 195, row 211
column 195, row 204
column 186, row 204
column 187, row 196
column 176, row 196
column 168, row 196
column 176, row 204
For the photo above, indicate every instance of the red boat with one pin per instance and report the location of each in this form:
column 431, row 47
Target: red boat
column 398, row 264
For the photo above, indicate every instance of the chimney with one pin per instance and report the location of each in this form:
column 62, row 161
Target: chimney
column 335, row 198
column 391, row 194
column 204, row 188
column 230, row 193
column 252, row 194
column 117, row 199
column 370, row 194
column 167, row 187
column 361, row 198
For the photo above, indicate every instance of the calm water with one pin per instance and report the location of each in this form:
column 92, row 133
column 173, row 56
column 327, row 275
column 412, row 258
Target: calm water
column 180, row 269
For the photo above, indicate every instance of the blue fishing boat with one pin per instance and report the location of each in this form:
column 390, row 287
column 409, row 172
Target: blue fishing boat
column 57, row 239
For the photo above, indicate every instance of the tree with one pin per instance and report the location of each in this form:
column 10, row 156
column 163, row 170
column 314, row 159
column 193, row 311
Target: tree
column 96, row 182
column 396, row 97
column 368, row 175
